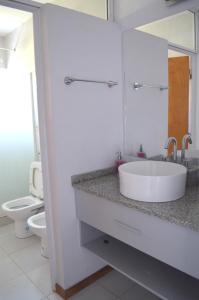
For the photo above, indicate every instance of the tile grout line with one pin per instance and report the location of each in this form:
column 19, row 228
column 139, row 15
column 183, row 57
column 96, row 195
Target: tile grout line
column 11, row 235
column 35, row 242
column 117, row 296
column 46, row 296
column 3, row 251
column 23, row 272
column 107, row 290
column 26, row 275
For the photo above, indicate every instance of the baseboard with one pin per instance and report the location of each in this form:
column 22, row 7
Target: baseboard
column 65, row 294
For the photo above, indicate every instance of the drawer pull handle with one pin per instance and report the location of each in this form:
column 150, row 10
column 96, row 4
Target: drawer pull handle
column 129, row 227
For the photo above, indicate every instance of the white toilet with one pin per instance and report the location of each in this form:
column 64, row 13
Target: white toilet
column 37, row 224
column 22, row 208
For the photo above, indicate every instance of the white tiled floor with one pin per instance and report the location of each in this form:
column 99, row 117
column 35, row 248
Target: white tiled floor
column 114, row 286
column 25, row 275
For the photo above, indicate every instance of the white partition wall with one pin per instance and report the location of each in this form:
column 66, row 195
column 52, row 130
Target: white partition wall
column 83, row 120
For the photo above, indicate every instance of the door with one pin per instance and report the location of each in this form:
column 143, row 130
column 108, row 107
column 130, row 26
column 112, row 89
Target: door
column 178, row 114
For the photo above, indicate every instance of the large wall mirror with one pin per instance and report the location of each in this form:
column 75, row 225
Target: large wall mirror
column 161, row 54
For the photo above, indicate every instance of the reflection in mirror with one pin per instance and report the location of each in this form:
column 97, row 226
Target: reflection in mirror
column 159, row 115
column 179, row 95
column 178, row 29
column 146, row 109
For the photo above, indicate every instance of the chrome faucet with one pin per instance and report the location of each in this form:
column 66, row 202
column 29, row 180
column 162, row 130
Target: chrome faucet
column 186, row 138
column 172, row 140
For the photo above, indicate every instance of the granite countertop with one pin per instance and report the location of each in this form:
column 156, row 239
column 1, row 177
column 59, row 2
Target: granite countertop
column 105, row 184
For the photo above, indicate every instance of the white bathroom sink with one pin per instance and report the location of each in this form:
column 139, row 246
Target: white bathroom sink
column 152, row 181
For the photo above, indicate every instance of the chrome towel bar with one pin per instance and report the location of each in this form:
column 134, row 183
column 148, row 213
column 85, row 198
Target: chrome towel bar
column 139, row 85
column 68, row 80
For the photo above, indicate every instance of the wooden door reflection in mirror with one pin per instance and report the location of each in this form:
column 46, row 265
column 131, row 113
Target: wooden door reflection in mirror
column 178, row 112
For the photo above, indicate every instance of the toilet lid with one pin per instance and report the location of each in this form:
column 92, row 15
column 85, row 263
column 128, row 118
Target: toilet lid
column 36, row 184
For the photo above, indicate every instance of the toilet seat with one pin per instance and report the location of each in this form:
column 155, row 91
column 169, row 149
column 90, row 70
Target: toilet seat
column 35, row 180
column 20, row 205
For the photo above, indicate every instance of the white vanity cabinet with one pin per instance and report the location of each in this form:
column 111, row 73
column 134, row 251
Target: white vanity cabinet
column 169, row 243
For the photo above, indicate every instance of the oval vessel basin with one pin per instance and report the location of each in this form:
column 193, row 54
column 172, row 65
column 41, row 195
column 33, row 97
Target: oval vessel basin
column 152, row 181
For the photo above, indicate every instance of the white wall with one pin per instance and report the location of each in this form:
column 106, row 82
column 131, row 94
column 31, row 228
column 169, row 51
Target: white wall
column 146, row 110
column 16, row 124
column 16, row 135
column 83, row 121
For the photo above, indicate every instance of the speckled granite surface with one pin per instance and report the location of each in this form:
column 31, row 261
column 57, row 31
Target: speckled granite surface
column 184, row 211
column 92, row 175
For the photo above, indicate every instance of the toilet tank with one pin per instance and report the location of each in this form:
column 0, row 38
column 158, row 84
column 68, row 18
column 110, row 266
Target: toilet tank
column 35, row 181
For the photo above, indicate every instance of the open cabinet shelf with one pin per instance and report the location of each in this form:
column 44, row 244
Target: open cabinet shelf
column 157, row 277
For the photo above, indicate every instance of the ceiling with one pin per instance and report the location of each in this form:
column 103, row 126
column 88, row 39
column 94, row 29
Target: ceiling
column 11, row 19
